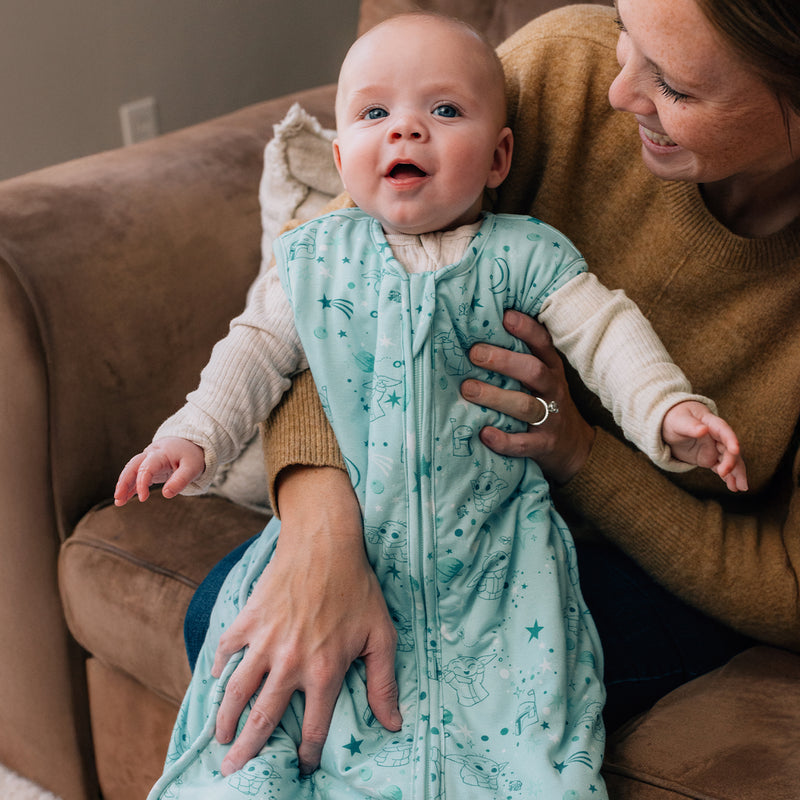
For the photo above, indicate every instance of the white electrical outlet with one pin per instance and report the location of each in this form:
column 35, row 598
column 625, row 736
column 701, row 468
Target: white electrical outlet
column 139, row 120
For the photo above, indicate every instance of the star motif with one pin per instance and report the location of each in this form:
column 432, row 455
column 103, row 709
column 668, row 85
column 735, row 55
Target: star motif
column 535, row 630
column 325, row 302
column 354, row 746
column 394, row 399
column 560, row 766
column 320, row 259
column 393, row 571
column 342, row 334
column 425, row 467
column 345, row 260
column 465, row 732
column 592, row 788
column 557, row 245
column 476, row 303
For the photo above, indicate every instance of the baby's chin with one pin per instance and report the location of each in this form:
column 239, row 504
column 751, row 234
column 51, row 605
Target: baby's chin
column 417, row 227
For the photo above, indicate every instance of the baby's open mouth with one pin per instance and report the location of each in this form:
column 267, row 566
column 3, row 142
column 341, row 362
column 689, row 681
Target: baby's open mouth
column 406, row 171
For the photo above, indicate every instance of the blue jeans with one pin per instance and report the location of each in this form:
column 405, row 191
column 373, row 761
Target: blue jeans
column 652, row 641
column 198, row 615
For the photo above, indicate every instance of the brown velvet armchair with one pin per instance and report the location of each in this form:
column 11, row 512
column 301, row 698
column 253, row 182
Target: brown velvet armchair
column 104, row 263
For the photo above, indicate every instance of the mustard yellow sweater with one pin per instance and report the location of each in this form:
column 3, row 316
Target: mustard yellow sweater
column 726, row 308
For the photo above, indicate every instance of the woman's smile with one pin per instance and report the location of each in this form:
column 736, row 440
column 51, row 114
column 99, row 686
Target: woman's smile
column 651, row 137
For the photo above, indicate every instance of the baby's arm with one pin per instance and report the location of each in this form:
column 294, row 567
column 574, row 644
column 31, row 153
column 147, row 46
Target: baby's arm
column 173, row 461
column 246, row 376
column 618, row 355
column 697, row 436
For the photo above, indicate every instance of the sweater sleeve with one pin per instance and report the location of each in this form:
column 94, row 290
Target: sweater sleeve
column 740, row 567
column 298, row 433
column 618, row 356
column 245, row 377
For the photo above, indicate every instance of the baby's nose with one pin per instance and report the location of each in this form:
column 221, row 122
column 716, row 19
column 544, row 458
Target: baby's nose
column 407, row 126
column 398, row 134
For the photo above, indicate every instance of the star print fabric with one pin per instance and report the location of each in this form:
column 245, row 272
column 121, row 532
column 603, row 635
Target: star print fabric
column 498, row 662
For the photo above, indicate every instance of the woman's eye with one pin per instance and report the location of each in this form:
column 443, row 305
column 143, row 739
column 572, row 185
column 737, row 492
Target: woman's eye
column 376, row 113
column 446, row 110
column 668, row 91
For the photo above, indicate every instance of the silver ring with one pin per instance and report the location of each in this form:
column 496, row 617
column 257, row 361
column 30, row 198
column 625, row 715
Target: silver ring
column 549, row 408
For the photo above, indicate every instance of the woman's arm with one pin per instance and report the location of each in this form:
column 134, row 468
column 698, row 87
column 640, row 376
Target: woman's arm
column 738, row 567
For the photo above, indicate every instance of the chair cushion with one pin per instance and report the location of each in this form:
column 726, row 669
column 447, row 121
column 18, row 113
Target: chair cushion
column 729, row 735
column 127, row 575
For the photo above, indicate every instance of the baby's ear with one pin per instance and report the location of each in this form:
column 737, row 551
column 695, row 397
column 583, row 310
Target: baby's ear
column 501, row 163
column 337, row 158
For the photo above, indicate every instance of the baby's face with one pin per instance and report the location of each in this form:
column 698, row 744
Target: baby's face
column 421, row 127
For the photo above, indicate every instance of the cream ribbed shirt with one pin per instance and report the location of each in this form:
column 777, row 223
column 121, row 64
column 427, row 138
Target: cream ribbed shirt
column 601, row 333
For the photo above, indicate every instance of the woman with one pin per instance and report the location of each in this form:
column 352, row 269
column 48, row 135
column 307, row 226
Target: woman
column 689, row 200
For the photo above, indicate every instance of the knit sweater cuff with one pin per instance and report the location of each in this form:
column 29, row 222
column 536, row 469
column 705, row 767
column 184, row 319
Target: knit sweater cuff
column 297, row 433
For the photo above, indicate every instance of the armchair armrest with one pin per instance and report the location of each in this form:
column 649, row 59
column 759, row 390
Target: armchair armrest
column 118, row 272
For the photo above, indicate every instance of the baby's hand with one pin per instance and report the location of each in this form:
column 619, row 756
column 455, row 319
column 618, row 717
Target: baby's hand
column 172, row 461
column 696, row 436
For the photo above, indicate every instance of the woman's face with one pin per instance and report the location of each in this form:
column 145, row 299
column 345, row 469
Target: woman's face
column 704, row 116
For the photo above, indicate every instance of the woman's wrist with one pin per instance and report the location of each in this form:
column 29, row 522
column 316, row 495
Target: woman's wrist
column 578, row 456
column 316, row 500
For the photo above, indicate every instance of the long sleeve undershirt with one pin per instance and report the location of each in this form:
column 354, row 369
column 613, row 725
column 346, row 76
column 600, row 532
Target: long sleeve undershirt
column 602, row 334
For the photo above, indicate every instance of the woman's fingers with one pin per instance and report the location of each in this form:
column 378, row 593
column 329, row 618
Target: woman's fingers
column 320, row 701
column 534, row 335
column 382, row 694
column 520, row 405
column 263, row 718
column 561, row 445
column 242, row 685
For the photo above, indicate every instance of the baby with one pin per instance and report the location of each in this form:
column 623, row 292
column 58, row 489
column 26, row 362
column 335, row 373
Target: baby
column 499, row 666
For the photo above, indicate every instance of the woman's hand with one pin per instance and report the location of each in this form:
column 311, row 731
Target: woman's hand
column 561, row 445
column 316, row 608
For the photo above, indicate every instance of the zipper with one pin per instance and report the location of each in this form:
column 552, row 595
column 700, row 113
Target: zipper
column 427, row 644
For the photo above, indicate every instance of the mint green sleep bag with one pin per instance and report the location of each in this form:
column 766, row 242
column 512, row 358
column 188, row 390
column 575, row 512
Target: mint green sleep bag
column 498, row 663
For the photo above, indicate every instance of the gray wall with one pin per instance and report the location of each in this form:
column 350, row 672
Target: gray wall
column 67, row 65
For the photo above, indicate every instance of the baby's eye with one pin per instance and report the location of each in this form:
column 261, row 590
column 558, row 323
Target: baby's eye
column 446, row 110
column 375, row 113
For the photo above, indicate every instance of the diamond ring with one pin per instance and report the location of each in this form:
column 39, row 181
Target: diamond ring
column 549, row 408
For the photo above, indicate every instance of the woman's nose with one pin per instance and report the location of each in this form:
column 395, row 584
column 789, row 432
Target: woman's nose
column 626, row 92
